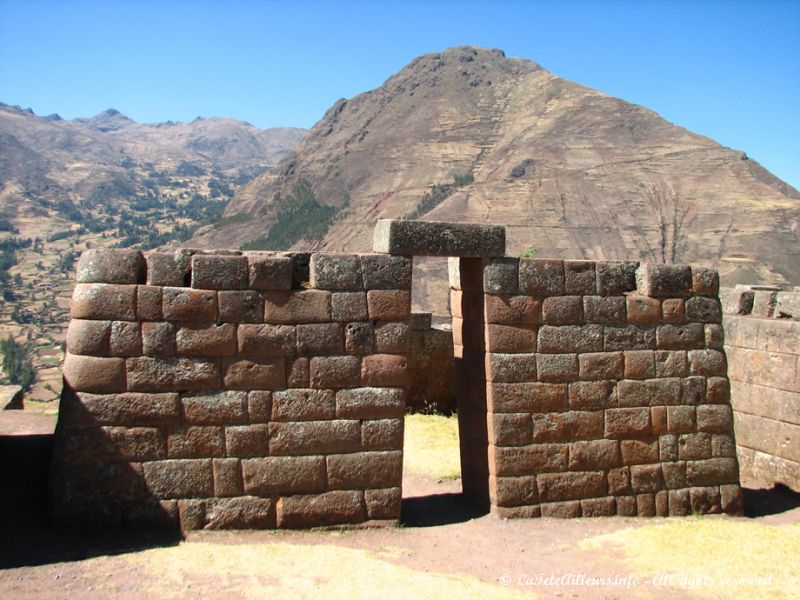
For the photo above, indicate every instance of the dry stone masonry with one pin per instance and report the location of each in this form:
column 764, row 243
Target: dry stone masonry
column 762, row 342
column 233, row 391
column 262, row 390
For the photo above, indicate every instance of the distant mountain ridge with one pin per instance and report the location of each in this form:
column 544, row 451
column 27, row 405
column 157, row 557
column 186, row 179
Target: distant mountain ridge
column 471, row 135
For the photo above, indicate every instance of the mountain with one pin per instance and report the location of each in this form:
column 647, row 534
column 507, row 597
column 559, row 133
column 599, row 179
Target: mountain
column 471, row 135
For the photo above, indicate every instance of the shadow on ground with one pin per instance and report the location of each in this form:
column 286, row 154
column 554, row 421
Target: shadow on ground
column 765, row 502
column 26, row 537
column 440, row 509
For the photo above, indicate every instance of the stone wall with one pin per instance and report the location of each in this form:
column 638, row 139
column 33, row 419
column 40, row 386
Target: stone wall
column 431, row 375
column 232, row 390
column 762, row 341
column 592, row 389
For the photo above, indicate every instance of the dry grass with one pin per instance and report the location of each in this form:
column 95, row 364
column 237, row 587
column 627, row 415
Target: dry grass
column 284, row 570
column 431, row 446
column 714, row 557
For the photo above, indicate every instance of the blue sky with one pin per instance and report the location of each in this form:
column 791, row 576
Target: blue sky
column 729, row 70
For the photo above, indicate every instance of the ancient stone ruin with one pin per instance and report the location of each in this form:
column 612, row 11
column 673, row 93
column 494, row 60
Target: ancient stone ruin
column 762, row 342
column 261, row 390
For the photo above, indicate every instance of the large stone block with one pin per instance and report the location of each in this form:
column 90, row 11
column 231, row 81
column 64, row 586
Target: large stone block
column 180, row 478
column 335, row 272
column 171, row 269
column 269, row 272
column 571, row 486
column 660, row 281
column 365, row 470
column 335, row 371
column 245, row 306
column 126, row 339
column 382, row 272
column 293, row 438
column 606, row 310
column 267, row 340
column 436, row 238
column 383, row 370
column 195, row 442
column 93, row 374
column 110, row 266
column 88, row 337
column 390, row 337
column 320, row 339
column 616, row 278
column 570, row 338
column 514, row 461
column 148, row 303
column 510, row 368
column 244, row 441
column 382, row 434
column 298, row 306
column 526, row 397
column 183, row 304
column 216, row 272
column 370, row 403
column 126, row 409
column 283, row 475
column 503, row 309
column 254, row 373
column 389, row 305
column 541, row 277
column 330, row 508
column 221, row 408
column 206, row 339
column 244, row 512
column 150, row 374
column 104, row 301
column 349, row 306
column 500, row 275
column 303, row 405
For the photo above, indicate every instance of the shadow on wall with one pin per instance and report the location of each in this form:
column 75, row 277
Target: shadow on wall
column 775, row 500
column 28, row 537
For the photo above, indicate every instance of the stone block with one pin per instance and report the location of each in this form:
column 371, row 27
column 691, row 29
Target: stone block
column 382, row 434
column 370, row 403
column 513, row 491
column 526, row 397
column 705, row 282
column 171, row 269
column 561, row 510
column 616, row 278
column 509, row 429
column 510, row 368
column 658, row 417
column 704, row 500
column 510, row 310
column 244, row 512
column 158, row 339
column 88, row 337
column 243, row 441
column 681, row 419
column 580, row 277
column 330, row 508
column 592, row 395
column 629, row 337
column 303, row 405
column 335, row 272
column 671, row 363
column 104, row 301
column 731, row 501
column 206, row 339
column 568, row 426
column 275, row 475
column 673, row 310
column 110, row 266
column 298, row 373
column 707, row 363
column 606, row 310
column 664, row 281
column 389, row 305
column 382, row 272
column 148, row 303
column 642, row 309
column 722, row 445
column 126, row 409
column 736, row 301
column 112, row 444
column 557, row 368
column 94, row 374
column 125, row 339
column 384, row 503
column 241, row 306
column 349, row 306
column 179, row 478
column 619, row 481
column 680, row 337
column 639, row 364
column 714, row 418
column 637, row 452
column 383, row 370
column 267, row 340
column 390, row 337
column 365, row 470
column 335, row 371
column 259, row 406
column 314, row 437
column 151, row 374
column 359, row 336
column 703, row 310
column 679, row 505
column 515, row 461
column 269, row 272
column 787, row 305
column 562, row 310
column 320, row 338
column 646, row 478
column 571, row 486
column 541, row 277
column 694, row 446
column 500, row 275
column 674, row 475
column 220, row 408
column 598, row 507
column 182, row 304
column 195, row 442
column 299, row 306
column 627, row 423
column 508, row 338
column 600, row 365
column 219, row 272
column 714, row 471
column 649, row 392
column 254, row 373
column 594, row 454
column 569, row 338
column 436, row 238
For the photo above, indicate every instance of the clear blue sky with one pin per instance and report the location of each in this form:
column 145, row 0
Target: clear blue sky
column 729, row 70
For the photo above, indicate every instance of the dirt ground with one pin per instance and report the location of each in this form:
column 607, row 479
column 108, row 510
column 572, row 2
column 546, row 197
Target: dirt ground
column 444, row 548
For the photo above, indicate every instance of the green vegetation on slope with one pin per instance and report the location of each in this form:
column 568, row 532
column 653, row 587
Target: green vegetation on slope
column 16, row 363
column 438, row 194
